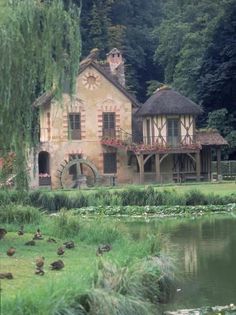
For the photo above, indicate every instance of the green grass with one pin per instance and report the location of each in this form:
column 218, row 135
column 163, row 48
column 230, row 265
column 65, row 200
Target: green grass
column 29, row 294
column 221, row 188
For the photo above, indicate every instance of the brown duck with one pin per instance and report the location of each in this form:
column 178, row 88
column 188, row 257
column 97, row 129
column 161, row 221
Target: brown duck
column 38, row 235
column 21, row 231
column 57, row 265
column 11, row 251
column 39, row 262
column 30, row 243
column 6, row 275
column 102, row 249
column 60, row 251
column 69, row 244
column 3, row 232
column 51, row 240
column 39, row 272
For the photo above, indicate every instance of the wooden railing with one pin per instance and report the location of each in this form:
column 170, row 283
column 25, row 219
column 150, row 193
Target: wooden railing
column 125, row 140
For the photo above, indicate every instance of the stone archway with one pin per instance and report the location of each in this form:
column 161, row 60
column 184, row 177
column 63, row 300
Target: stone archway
column 44, row 168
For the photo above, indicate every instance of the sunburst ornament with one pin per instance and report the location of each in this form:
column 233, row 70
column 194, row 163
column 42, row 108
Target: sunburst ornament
column 91, row 80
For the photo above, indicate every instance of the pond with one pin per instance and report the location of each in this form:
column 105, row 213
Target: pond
column 206, row 251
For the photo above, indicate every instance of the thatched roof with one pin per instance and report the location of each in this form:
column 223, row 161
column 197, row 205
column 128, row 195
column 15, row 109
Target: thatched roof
column 210, row 137
column 168, row 102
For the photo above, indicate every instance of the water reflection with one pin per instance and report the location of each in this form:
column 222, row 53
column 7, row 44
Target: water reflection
column 207, row 253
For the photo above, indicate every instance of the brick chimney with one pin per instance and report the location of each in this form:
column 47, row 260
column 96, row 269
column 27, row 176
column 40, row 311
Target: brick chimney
column 116, row 63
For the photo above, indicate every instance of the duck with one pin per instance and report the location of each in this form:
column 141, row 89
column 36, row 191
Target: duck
column 103, row 248
column 30, row 243
column 51, row 240
column 39, row 262
column 6, row 275
column 60, row 251
column 21, row 231
column 38, row 235
column 69, row 244
column 11, row 251
column 57, row 265
column 39, row 272
column 3, row 232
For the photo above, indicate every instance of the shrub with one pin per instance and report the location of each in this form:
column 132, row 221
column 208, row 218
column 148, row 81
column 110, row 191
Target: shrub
column 195, row 197
column 133, row 196
column 100, row 302
column 152, row 279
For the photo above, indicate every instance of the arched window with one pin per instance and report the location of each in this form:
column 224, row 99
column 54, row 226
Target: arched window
column 44, row 168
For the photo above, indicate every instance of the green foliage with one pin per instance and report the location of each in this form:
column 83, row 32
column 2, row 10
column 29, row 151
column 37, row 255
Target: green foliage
column 66, row 225
column 217, row 80
column 195, row 197
column 152, row 279
column 39, row 49
column 19, row 214
column 224, row 122
column 127, row 25
column 181, row 39
column 98, row 232
column 100, row 302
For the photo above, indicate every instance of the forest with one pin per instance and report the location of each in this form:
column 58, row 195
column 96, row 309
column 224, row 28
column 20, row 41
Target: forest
column 189, row 45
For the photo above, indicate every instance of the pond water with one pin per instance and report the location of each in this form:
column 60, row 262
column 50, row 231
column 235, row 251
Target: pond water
column 206, row 251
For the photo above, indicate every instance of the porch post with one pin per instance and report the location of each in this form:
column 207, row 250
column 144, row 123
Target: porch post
column 218, row 165
column 158, row 172
column 141, row 168
column 198, row 165
column 209, row 164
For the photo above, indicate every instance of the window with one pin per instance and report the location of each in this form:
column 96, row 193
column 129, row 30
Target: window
column 173, row 134
column 109, row 124
column 74, row 126
column 109, row 163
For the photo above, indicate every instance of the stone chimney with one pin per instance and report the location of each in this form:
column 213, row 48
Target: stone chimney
column 116, row 63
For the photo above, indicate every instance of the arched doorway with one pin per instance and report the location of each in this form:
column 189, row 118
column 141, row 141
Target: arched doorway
column 44, row 168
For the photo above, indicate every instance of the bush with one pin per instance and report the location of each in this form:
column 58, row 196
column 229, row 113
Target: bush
column 195, row 197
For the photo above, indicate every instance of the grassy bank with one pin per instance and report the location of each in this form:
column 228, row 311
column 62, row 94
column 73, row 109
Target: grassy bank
column 132, row 196
column 88, row 284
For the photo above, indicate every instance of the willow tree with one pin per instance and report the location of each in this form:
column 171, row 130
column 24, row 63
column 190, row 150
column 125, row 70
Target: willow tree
column 39, row 50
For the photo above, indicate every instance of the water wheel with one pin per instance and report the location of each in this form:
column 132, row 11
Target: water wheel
column 78, row 173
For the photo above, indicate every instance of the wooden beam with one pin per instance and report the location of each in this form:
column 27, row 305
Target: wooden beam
column 218, row 164
column 158, row 168
column 209, row 164
column 141, row 168
column 198, row 166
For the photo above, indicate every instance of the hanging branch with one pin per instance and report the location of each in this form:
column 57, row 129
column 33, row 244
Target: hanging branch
column 39, row 50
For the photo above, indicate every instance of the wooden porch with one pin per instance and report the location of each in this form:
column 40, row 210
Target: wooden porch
column 151, row 148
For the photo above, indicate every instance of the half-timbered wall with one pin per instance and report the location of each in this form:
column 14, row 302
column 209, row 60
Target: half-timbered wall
column 155, row 129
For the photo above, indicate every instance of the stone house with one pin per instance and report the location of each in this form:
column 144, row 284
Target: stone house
column 104, row 136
